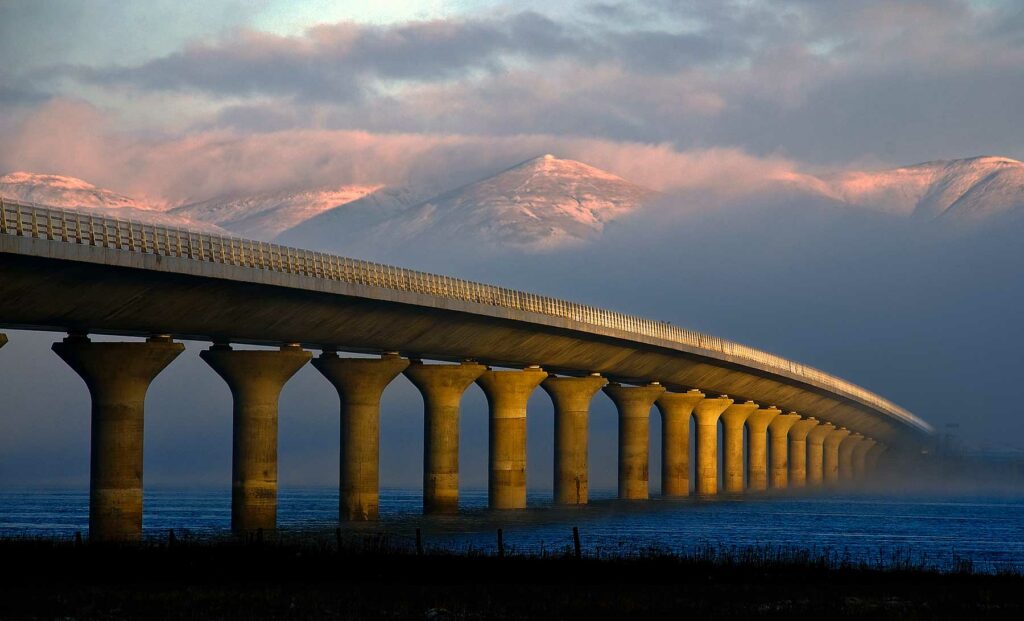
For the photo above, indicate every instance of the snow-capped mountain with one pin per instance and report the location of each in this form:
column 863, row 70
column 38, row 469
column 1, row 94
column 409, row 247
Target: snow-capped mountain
column 61, row 191
column 970, row 188
column 542, row 203
column 263, row 216
column 77, row 194
column 336, row 228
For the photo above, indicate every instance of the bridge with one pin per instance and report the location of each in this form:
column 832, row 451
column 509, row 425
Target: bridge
column 80, row 274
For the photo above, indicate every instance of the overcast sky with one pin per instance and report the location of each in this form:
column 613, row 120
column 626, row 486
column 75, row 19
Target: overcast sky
column 182, row 100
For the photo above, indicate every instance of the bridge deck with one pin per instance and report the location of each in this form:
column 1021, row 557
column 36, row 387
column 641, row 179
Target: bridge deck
column 65, row 269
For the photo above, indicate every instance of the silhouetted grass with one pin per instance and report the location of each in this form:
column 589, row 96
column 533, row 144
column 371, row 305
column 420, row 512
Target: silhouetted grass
column 366, row 575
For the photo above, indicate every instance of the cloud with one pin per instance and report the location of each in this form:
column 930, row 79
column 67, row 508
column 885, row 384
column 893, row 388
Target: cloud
column 74, row 138
column 825, row 84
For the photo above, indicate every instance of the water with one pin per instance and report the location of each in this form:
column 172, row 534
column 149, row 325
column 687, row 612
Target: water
column 987, row 530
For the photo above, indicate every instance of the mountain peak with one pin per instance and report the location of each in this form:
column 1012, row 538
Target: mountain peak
column 550, row 165
column 974, row 187
column 537, row 204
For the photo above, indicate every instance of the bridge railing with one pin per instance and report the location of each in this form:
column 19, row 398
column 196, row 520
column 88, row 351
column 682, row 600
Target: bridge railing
column 42, row 222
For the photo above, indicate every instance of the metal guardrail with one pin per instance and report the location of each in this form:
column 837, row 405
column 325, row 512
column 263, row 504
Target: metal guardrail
column 42, row 222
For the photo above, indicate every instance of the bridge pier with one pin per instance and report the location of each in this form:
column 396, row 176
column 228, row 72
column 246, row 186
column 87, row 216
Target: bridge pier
column 118, row 376
column 798, row 451
column 634, row 407
column 779, row 430
column 706, row 413
column 816, row 453
column 442, row 387
column 507, row 394
column 757, row 447
column 831, row 454
column 846, row 449
column 733, row 419
column 871, row 461
column 255, row 378
column 571, row 397
column 676, row 409
column 860, row 454
column 360, row 383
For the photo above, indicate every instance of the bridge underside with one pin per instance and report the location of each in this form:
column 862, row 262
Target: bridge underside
column 89, row 296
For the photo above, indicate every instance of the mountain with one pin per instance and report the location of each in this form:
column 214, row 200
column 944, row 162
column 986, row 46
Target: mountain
column 264, row 216
column 973, row 188
column 539, row 204
column 336, row 229
column 79, row 195
column 542, row 203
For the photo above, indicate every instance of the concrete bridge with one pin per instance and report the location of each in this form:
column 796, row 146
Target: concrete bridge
column 78, row 274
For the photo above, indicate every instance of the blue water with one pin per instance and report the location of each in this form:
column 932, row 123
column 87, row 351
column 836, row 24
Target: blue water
column 936, row 530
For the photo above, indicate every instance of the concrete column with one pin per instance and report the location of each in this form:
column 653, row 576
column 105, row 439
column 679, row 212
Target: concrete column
column 507, row 393
column 706, row 414
column 118, row 376
column 255, row 378
column 733, row 419
column 798, row 451
column 757, row 447
column 360, row 383
column 571, row 397
column 860, row 454
column 676, row 408
column 779, row 429
column 816, row 453
column 442, row 387
column 831, row 454
column 873, row 456
column 634, row 406
column 846, row 448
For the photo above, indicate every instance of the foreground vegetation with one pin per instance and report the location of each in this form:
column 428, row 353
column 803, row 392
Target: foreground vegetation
column 366, row 577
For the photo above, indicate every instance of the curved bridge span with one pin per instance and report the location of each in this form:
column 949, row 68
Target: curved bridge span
column 73, row 272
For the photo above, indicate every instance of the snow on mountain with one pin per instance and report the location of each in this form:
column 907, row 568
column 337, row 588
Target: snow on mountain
column 264, row 216
column 540, row 204
column 79, row 195
column 967, row 188
column 338, row 227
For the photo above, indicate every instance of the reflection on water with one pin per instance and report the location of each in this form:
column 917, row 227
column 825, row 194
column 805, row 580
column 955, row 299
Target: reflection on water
column 989, row 531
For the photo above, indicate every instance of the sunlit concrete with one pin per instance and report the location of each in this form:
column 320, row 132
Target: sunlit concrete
column 360, row 383
column 442, row 387
column 831, row 454
column 634, row 407
column 798, row 451
column 118, row 376
column 816, row 453
column 571, row 397
column 779, row 430
column 507, row 393
column 757, row 447
column 676, row 409
column 706, row 414
column 733, row 419
column 256, row 379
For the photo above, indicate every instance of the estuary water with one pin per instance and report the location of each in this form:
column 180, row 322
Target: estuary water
column 937, row 530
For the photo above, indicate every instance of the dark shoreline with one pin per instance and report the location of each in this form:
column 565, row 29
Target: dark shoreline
column 366, row 576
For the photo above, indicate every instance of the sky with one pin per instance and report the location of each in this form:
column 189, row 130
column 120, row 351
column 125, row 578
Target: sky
column 187, row 100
